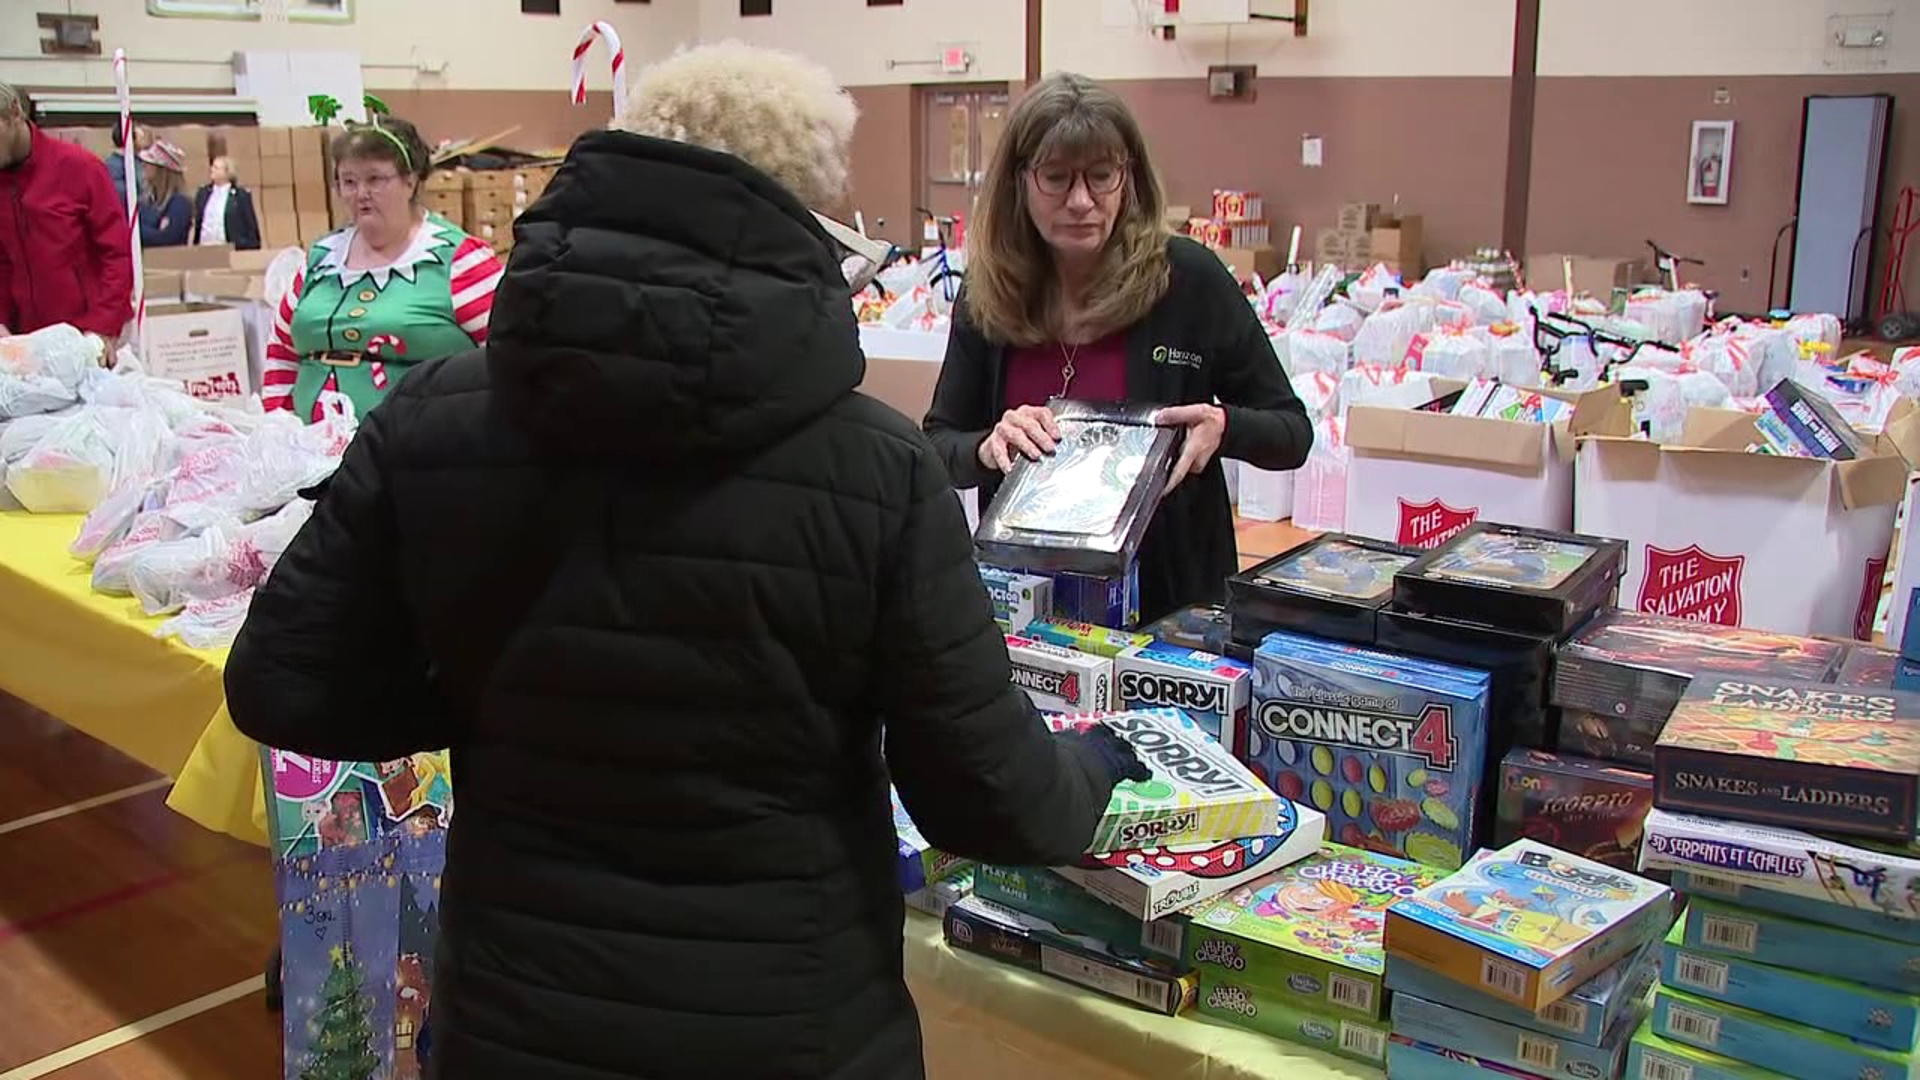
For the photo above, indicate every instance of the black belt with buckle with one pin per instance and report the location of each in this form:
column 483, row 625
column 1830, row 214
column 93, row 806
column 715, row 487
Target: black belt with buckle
column 339, row 358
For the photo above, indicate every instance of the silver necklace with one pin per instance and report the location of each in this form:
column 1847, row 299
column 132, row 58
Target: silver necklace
column 1066, row 369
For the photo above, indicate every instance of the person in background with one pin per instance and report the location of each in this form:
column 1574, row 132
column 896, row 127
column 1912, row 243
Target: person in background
column 223, row 210
column 681, row 600
column 64, row 240
column 117, row 161
column 165, row 211
column 397, row 287
column 1074, row 289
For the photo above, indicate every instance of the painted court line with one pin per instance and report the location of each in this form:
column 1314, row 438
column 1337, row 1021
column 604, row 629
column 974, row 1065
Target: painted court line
column 83, row 805
column 121, row 1036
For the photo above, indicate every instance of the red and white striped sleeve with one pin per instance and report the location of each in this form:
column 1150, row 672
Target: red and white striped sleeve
column 282, row 365
column 476, row 274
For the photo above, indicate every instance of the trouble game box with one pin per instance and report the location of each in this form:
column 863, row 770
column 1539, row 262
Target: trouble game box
column 1767, row 938
column 1331, row 587
column 1391, row 749
column 1522, row 579
column 1587, row 807
column 977, row 926
column 1198, row 793
column 1802, row 755
column 1528, row 923
column 1213, row 690
column 1764, row 858
column 1060, row 680
column 1654, row 1058
column 1770, row 1042
column 1512, row 1046
column 1585, row 1016
column 1793, row 905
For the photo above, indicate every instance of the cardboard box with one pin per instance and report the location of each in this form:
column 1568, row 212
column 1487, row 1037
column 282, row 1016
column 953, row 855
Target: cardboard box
column 246, row 170
column 1358, row 217
column 252, row 262
column 189, row 257
column 193, row 141
column 1247, row 262
column 1400, row 244
column 1061, row 680
column 314, row 224
column 276, row 142
column 201, row 345
column 1598, row 276
column 97, row 141
column 162, row 286
column 242, row 142
column 225, row 285
column 492, row 180
column 309, row 144
column 280, row 229
column 275, row 201
column 1715, row 534
column 276, row 173
column 451, row 205
column 1417, row 478
column 446, row 180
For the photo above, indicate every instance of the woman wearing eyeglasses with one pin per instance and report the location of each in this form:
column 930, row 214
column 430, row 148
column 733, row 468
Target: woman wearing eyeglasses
column 1074, row 289
column 398, row 286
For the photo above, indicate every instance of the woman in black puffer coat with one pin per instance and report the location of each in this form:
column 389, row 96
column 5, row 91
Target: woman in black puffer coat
column 680, row 599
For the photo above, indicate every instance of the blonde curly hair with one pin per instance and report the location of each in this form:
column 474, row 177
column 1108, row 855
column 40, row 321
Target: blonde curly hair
column 777, row 112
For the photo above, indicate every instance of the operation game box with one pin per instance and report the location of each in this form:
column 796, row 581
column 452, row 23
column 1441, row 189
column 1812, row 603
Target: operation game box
column 1589, row 808
column 1528, row 923
column 1585, row 1016
column 1198, row 793
column 1391, row 749
column 1311, row 932
column 977, row 926
column 1213, row 690
column 1654, row 1058
column 1514, row 1047
column 1086, row 637
column 1330, row 587
column 1883, row 1018
column 1085, row 507
column 1770, row 1042
column 1280, row 1016
column 1060, row 680
column 921, row 864
column 1762, row 857
column 1018, row 599
column 1801, row 755
column 1522, row 579
column 1410, row 1059
column 1049, row 896
column 1767, row 938
column 1152, row 883
column 1519, row 664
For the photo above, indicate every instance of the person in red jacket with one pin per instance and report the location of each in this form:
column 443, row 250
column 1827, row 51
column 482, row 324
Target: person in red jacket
column 63, row 236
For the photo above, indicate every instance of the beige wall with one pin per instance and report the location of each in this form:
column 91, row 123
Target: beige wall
column 1717, row 37
column 856, row 41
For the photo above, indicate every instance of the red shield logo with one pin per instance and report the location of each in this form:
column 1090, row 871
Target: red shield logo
column 1870, row 598
column 1692, row 584
column 1430, row 524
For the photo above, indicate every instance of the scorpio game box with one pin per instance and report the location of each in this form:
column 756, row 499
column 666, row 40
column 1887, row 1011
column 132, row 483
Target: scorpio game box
column 1330, row 587
column 978, row 926
column 1058, row 679
column 1592, row 809
column 1213, row 690
column 1522, row 579
column 1765, row 858
column 1585, row 1016
column 1802, row 755
column 1085, row 507
column 1528, row 923
column 1391, row 749
column 1198, row 793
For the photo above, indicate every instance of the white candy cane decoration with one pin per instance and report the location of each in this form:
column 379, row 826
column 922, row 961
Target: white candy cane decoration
column 612, row 38
column 128, row 153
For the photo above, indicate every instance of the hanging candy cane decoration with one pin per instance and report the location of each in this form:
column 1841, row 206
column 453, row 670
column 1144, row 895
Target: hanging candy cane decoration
column 127, row 159
column 612, row 38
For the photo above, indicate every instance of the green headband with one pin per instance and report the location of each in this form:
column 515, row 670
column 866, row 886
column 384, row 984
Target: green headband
column 325, row 108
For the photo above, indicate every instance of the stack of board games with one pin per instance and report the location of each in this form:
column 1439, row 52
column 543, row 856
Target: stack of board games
column 1101, row 599
column 936, row 897
column 1332, row 587
column 1300, row 954
column 1213, row 690
column 1059, row 679
column 1100, row 641
column 1018, row 599
column 1528, row 580
column 1202, row 626
column 1393, row 750
column 1085, row 507
column 1620, row 677
column 1198, row 792
column 1152, row 982
column 1798, row 954
column 1519, row 665
column 1589, row 808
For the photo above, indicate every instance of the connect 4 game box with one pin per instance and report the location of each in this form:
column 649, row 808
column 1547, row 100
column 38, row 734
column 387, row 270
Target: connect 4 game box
column 1213, row 690
column 1060, row 680
column 1198, row 792
column 1393, row 750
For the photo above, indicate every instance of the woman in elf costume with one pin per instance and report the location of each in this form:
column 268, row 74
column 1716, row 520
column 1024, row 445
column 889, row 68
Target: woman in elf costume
column 397, row 286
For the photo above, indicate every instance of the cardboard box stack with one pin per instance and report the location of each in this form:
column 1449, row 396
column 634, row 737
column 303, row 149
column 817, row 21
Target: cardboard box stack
column 1366, row 234
column 495, row 197
column 1239, row 230
column 1800, row 952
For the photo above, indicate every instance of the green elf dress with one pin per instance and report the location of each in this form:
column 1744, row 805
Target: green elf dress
column 343, row 337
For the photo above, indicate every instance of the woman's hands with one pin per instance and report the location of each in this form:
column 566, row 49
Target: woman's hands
column 1029, row 431
column 1206, row 425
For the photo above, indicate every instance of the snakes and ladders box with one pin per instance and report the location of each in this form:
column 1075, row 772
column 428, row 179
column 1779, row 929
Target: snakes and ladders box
column 1410, row 1059
column 1767, row 938
column 1046, row 895
column 1771, row 1042
column 1883, row 1018
column 1151, row 883
column 1587, row 1016
column 1761, row 858
column 1086, row 637
column 1058, row 679
column 1654, row 1058
column 1587, row 807
column 1018, row 599
column 921, row 864
column 1713, row 886
column 1313, row 933
column 1528, row 923
column 1198, row 793
column 987, row 929
column 1509, row 1045
column 1800, row 755
column 1392, row 749
column 1211, row 689
column 1279, row 1015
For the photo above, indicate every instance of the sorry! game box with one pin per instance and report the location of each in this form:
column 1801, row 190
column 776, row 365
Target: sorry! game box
column 1198, row 792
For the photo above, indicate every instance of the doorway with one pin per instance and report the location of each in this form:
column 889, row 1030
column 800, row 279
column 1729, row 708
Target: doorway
column 959, row 126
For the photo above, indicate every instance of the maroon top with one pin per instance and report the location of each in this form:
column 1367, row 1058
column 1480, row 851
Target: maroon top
column 1100, row 372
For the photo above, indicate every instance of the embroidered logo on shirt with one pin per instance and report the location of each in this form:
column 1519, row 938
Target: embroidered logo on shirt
column 1164, row 354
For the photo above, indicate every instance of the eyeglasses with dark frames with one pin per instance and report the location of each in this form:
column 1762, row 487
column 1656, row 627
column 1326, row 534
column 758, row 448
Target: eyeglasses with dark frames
column 1057, row 180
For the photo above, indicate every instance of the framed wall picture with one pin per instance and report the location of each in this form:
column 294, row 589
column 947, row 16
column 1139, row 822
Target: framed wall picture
column 1709, row 162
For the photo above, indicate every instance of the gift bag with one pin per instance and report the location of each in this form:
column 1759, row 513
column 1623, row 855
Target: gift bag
column 1265, row 495
column 1320, row 486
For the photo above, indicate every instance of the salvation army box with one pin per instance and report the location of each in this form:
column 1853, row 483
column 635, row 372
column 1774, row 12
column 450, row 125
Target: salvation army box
column 1719, row 535
column 1418, row 478
column 203, row 346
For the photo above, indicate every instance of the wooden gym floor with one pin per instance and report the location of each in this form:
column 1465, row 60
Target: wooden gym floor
column 132, row 940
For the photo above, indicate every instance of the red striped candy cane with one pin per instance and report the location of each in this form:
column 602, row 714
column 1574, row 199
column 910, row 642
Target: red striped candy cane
column 127, row 158
column 612, row 37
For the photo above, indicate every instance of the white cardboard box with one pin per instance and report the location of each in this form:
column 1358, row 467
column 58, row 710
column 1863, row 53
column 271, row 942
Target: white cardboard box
column 1265, row 495
column 1419, row 478
column 1061, row 680
column 1715, row 534
column 201, row 345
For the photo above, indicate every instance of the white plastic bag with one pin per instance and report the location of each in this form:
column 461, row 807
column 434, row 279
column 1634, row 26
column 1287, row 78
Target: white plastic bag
column 69, row 470
column 1444, row 283
column 1369, row 291
column 1672, row 317
column 41, row 371
column 1339, row 320
column 108, row 522
column 1264, row 495
column 1484, row 303
column 209, row 624
column 1451, row 353
column 1320, row 485
column 1660, row 410
column 148, row 528
column 1512, row 356
column 1725, row 356
column 1308, row 351
column 166, row 576
column 1319, row 392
